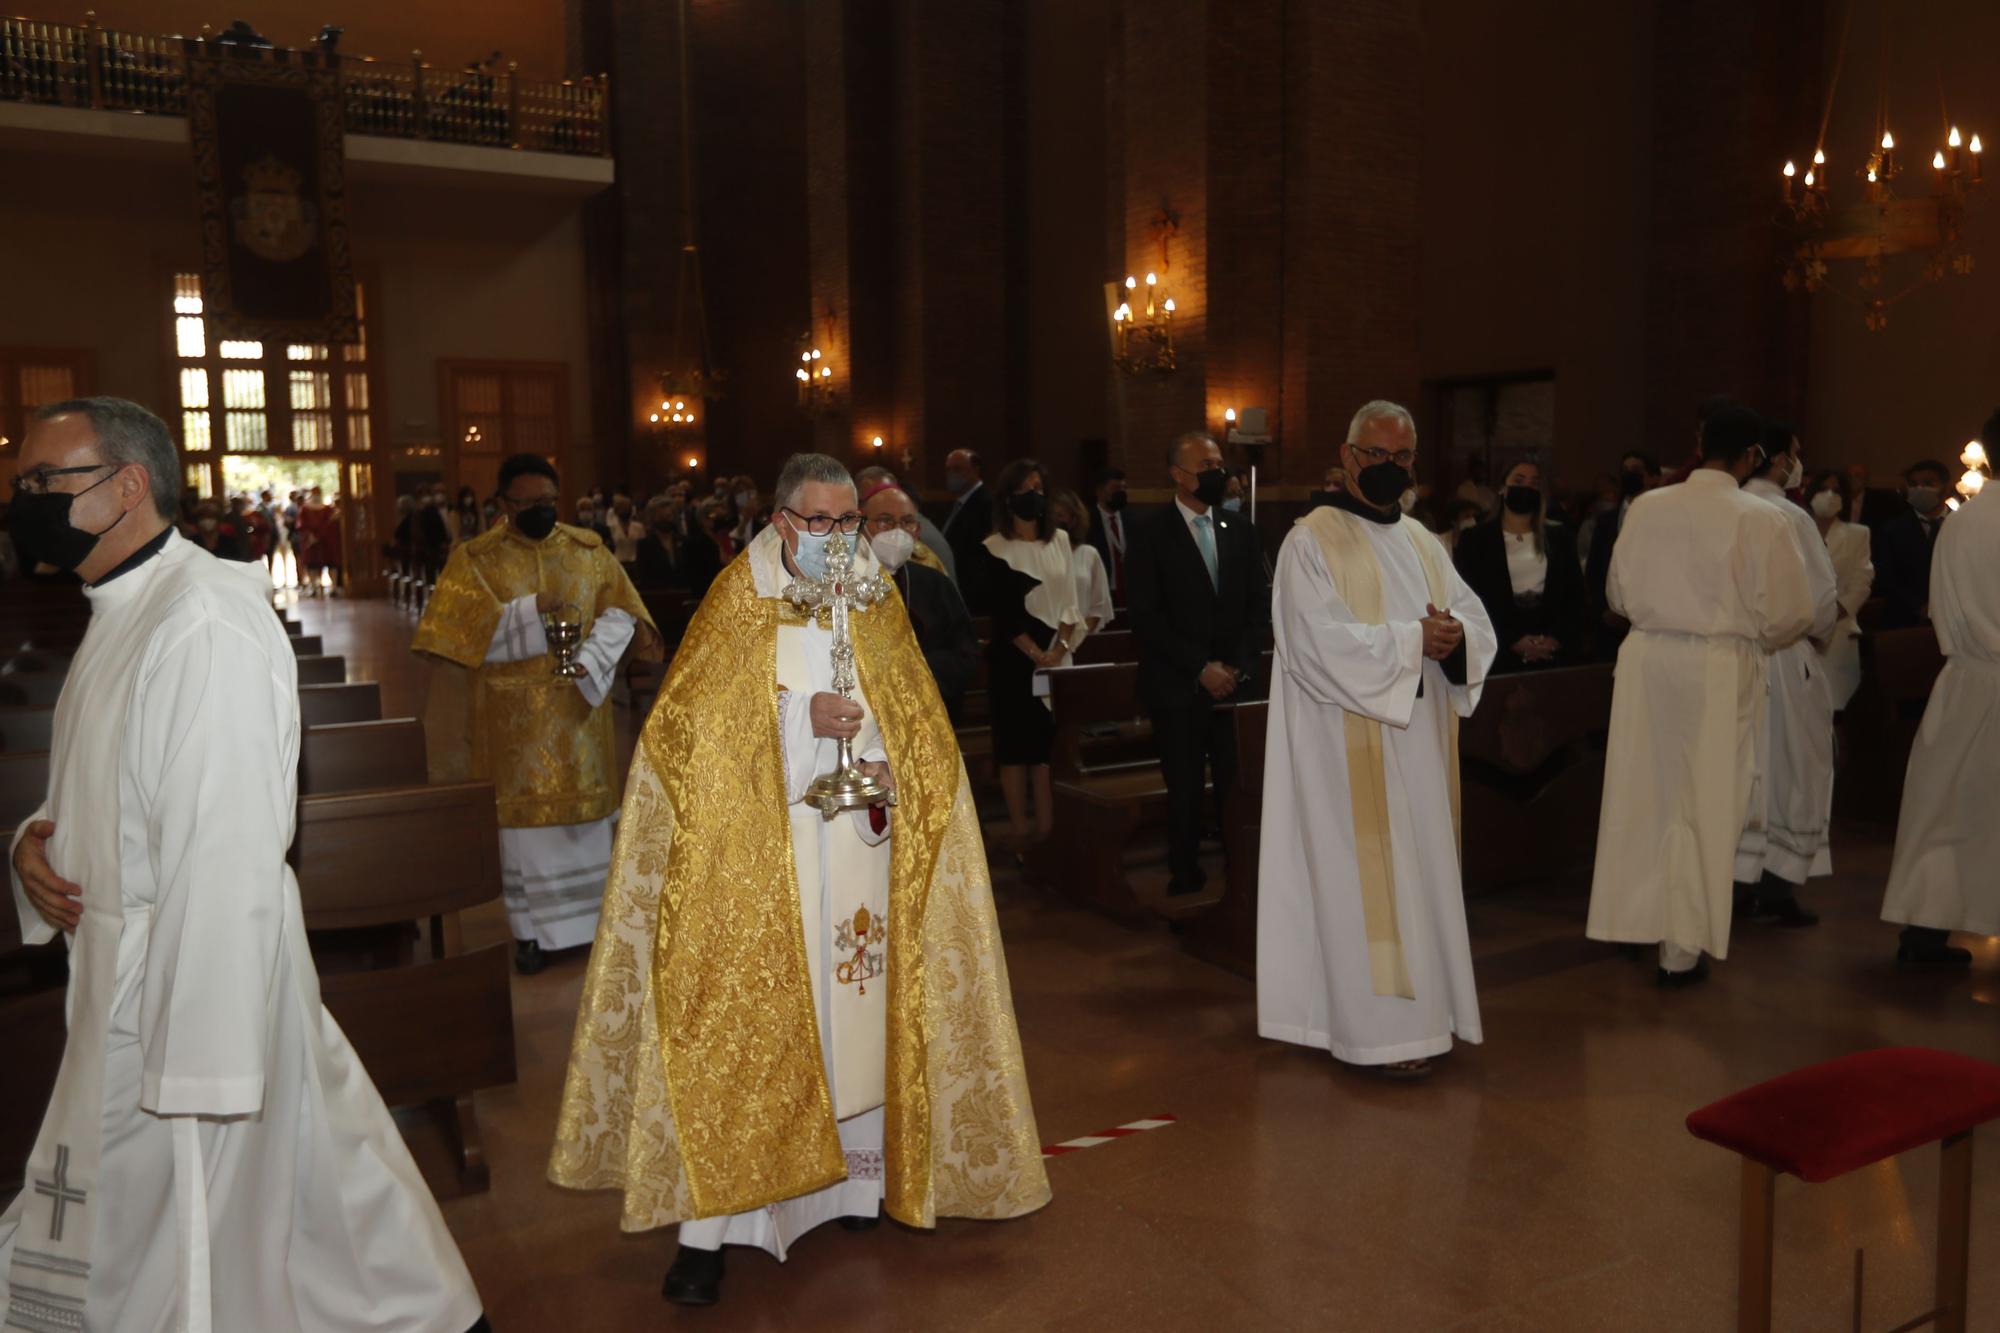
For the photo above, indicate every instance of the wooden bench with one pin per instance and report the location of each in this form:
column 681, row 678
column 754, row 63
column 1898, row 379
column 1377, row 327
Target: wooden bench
column 322, row 670
column 1531, row 766
column 1226, row 934
column 356, row 756
column 1113, row 645
column 324, row 705
column 31, row 689
column 1879, row 724
column 1105, row 780
column 26, row 728
column 307, row 645
column 436, row 1030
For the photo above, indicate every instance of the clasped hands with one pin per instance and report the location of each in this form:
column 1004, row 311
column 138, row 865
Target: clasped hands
column 1220, row 680
column 1442, row 633
column 1536, row 648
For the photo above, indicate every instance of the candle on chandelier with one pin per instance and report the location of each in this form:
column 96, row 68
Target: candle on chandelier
column 1152, row 289
column 1953, row 142
column 1977, row 154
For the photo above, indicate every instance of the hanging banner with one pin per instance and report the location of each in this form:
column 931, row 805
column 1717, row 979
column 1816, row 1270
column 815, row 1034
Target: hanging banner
column 270, row 177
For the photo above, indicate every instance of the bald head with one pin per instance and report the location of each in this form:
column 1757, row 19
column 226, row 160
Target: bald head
column 961, row 470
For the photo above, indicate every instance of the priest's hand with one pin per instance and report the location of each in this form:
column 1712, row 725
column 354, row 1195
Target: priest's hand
column 878, row 771
column 835, row 718
column 1442, row 634
column 548, row 602
column 59, row 902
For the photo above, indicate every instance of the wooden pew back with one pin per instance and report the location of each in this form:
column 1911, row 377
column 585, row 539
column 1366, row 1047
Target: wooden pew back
column 32, row 1033
column 26, row 729
column 1531, row 761
column 359, row 756
column 377, row 857
column 324, row 705
column 1226, row 934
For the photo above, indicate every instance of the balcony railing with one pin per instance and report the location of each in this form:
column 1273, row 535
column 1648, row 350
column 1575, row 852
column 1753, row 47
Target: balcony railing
column 55, row 64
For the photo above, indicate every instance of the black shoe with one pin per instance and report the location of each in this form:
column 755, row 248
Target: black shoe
column 1932, row 958
column 860, row 1223
column 1744, row 903
column 695, row 1278
column 529, row 958
column 1694, row 976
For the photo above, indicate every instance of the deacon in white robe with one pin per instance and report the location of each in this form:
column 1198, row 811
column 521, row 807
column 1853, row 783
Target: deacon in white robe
column 1361, row 937
column 214, row 1158
column 1947, row 838
column 1712, row 581
column 1785, row 842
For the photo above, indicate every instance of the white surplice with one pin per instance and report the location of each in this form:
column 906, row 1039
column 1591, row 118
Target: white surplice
column 1313, row 974
column 222, row 1159
column 1947, row 838
column 1712, row 580
column 843, row 872
column 552, row 877
column 1848, row 546
column 1787, row 837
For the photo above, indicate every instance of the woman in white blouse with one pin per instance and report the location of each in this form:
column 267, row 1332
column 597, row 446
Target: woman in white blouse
column 1853, row 576
column 1093, row 582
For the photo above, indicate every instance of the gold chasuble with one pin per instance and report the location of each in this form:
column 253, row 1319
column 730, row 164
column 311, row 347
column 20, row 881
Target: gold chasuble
column 1357, row 577
column 696, row 1080
column 549, row 755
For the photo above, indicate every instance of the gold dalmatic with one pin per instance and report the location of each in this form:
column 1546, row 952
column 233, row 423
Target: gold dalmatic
column 696, row 1083
column 549, row 755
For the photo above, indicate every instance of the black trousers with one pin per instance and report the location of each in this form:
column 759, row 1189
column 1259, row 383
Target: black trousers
column 1196, row 741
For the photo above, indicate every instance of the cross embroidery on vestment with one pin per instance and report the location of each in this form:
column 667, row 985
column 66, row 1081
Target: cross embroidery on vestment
column 59, row 1190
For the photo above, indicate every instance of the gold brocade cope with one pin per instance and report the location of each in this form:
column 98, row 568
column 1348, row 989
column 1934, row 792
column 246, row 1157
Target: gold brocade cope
column 1357, row 577
column 550, row 756
column 696, row 1082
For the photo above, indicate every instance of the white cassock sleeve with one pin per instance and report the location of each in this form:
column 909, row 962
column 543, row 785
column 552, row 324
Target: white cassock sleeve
column 219, row 818
column 34, row 930
column 1372, row 670
column 1821, row 584
column 519, row 637
column 1481, row 642
column 1771, row 579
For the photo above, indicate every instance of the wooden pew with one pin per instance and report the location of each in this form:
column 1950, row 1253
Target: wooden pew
column 1531, row 764
column 1113, row 645
column 30, row 689
column 1104, row 780
column 437, row 1030
column 324, row 705
column 1879, row 724
column 357, row 756
column 1226, row 934
column 32, row 1033
column 307, row 645
column 26, row 728
column 322, row 670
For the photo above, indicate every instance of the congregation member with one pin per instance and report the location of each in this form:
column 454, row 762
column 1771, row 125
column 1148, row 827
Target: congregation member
column 467, row 519
column 1712, row 581
column 1869, row 506
column 1947, row 841
column 1638, row 473
column 1196, row 602
column 1847, row 545
column 932, row 549
column 1093, row 581
column 967, row 524
column 1107, row 527
column 319, row 541
column 213, row 533
column 1362, row 947
column 213, row 1155
column 1903, row 543
column 1029, row 575
column 937, row 613
column 1524, row 569
column 843, row 1040
column 627, row 530
column 498, row 712
column 1476, row 490
column 1785, row 840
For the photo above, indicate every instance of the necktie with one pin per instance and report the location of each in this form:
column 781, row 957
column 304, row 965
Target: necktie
column 1204, row 537
column 1117, row 544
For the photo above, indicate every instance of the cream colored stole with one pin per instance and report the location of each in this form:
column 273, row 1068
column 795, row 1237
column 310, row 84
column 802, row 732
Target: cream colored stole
column 1357, row 576
column 844, row 911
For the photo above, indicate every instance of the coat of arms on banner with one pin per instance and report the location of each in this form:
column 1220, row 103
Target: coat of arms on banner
column 271, row 218
column 853, row 937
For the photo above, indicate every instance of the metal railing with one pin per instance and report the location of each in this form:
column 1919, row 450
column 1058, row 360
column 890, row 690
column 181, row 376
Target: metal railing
column 55, row 64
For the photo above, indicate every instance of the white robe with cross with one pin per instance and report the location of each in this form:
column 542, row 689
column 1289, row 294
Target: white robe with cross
column 1313, row 972
column 843, row 868
column 214, row 1158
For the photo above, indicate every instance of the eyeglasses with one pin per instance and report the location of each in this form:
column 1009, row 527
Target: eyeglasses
column 1401, row 457
column 885, row 521
column 819, row 525
column 37, row 481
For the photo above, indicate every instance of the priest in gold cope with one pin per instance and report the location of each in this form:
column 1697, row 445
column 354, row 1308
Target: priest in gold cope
column 499, row 711
column 791, row 1019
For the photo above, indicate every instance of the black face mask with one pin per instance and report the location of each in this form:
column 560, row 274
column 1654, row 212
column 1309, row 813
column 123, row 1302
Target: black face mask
column 536, row 522
column 41, row 524
column 1209, row 486
column 1027, row 506
column 1633, row 483
column 1116, row 502
column 1523, row 499
column 1382, row 484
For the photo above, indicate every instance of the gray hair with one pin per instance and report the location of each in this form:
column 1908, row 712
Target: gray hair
column 802, row 469
column 1183, row 440
column 1381, row 409
column 129, row 434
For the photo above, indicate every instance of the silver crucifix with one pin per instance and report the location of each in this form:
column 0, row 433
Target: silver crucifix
column 837, row 594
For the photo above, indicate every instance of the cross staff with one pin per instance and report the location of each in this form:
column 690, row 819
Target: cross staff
column 838, row 594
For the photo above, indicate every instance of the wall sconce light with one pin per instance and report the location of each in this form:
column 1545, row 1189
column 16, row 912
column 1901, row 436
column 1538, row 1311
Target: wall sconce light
column 1142, row 343
column 815, row 380
column 877, row 442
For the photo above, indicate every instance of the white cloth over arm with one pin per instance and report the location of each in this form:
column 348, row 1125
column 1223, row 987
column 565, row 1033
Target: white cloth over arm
column 520, row 636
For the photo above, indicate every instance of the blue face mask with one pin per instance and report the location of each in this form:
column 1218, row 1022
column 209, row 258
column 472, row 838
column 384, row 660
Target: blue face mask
column 811, row 555
column 1234, row 504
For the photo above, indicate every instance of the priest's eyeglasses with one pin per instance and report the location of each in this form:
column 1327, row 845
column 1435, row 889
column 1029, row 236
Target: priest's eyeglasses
column 1370, row 457
column 37, row 481
column 819, row 525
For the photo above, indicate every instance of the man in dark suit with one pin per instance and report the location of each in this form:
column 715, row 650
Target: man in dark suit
column 1903, row 545
column 1107, row 529
column 1638, row 473
column 1869, row 506
column 937, row 614
column 966, row 526
column 1198, row 604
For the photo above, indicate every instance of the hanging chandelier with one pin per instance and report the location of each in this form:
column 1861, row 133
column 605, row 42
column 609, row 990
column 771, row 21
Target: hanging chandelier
column 1877, row 228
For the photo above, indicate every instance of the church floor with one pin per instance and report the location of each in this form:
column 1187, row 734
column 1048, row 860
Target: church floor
column 1542, row 1181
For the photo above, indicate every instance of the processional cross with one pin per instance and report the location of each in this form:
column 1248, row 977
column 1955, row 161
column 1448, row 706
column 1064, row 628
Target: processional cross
column 838, row 594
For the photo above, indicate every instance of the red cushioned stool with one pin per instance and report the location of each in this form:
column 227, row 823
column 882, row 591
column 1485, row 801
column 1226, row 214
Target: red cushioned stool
column 1828, row 1119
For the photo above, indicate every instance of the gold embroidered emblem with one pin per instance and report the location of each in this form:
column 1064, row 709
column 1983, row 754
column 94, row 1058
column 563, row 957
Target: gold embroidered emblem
column 273, row 219
column 854, row 936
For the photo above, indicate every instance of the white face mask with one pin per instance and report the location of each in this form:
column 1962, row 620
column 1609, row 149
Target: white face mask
column 1794, row 476
column 893, row 548
column 1826, row 504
